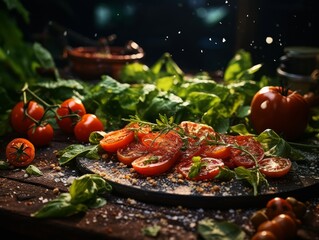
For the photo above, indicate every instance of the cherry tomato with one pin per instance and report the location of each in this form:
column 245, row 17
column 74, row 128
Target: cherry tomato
column 287, row 224
column 276, row 206
column 117, row 139
column 131, row 152
column 274, row 167
column 264, row 235
column 155, row 162
column 41, row 135
column 20, row 152
column 88, row 124
column 285, row 113
column 198, row 131
column 241, row 158
column 208, row 171
column 69, row 114
column 20, row 122
column 273, row 228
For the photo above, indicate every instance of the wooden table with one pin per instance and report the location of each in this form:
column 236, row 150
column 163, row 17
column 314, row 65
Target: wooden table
column 120, row 218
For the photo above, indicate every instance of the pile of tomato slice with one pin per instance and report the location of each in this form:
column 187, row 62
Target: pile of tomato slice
column 152, row 153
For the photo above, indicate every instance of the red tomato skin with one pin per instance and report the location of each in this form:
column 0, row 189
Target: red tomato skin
column 164, row 163
column 20, row 152
column 274, row 167
column 131, row 152
column 40, row 135
column 88, row 124
column 286, row 115
column 240, row 158
column 117, row 139
column 277, row 206
column 19, row 121
column 70, row 106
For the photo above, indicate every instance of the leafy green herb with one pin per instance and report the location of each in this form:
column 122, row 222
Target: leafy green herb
column 33, row 170
column 84, row 193
column 225, row 174
column 76, row 150
column 274, row 145
column 151, row 231
column 196, row 166
column 253, row 176
column 209, row 229
column 4, row 165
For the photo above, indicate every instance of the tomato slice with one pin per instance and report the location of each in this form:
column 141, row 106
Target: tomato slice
column 131, row 152
column 155, row 163
column 208, row 171
column 198, row 131
column 241, row 158
column 219, row 151
column 274, row 167
column 139, row 129
column 170, row 141
column 117, row 139
column 192, row 149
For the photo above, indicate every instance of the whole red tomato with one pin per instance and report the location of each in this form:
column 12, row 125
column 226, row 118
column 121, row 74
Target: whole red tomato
column 69, row 113
column 20, row 152
column 40, row 135
column 20, row 122
column 284, row 111
column 88, row 124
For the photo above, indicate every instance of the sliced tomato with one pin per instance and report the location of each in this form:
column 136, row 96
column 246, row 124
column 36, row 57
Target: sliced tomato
column 131, row 152
column 274, row 167
column 170, row 141
column 219, row 151
column 155, row 163
column 209, row 169
column 114, row 140
column 241, row 158
column 198, row 131
column 192, row 149
column 139, row 129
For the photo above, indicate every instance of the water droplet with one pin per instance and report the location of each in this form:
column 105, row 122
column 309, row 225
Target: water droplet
column 269, row 40
column 224, row 40
column 210, row 39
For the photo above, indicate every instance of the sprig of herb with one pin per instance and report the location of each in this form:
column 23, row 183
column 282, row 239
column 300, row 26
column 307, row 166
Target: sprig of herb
column 84, row 193
column 196, row 167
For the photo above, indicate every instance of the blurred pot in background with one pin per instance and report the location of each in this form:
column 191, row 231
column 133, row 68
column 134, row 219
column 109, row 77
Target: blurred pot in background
column 299, row 68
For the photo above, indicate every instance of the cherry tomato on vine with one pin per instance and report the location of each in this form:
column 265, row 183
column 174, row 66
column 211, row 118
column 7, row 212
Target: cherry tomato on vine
column 274, row 167
column 284, row 111
column 88, row 124
column 40, row 135
column 20, row 152
column 69, row 114
column 20, row 122
column 117, row 139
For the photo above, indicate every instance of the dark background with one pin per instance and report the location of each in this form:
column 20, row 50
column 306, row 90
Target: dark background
column 201, row 35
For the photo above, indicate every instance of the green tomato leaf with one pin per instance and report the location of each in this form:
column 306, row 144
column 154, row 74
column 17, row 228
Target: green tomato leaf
column 209, row 229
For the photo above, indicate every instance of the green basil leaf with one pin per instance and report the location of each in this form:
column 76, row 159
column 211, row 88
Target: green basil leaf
column 33, row 170
column 209, row 229
column 75, row 150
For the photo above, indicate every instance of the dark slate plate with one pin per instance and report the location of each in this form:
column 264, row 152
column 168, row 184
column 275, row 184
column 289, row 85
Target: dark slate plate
column 301, row 182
